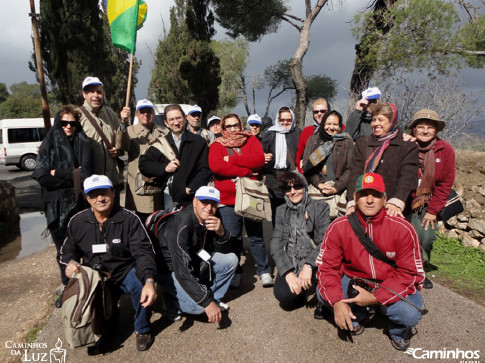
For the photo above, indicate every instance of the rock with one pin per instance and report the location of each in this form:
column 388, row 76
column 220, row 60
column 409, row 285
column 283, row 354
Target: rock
column 455, row 233
column 481, row 191
column 478, row 224
column 473, row 207
column 462, row 218
column 468, row 241
column 475, row 234
column 452, row 221
column 440, row 227
column 462, row 226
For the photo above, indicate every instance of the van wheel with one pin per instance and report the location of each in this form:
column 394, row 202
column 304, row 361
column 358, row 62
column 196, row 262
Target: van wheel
column 28, row 162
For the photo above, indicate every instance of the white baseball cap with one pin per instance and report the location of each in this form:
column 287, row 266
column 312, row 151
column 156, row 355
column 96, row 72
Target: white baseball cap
column 194, row 108
column 213, row 118
column 372, row 93
column 91, row 81
column 143, row 104
column 97, row 182
column 208, row 193
column 254, row 119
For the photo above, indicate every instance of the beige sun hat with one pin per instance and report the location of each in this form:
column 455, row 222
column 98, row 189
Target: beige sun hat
column 427, row 115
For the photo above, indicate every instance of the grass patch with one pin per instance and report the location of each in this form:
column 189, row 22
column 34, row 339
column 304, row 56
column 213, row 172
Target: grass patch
column 34, row 332
column 458, row 268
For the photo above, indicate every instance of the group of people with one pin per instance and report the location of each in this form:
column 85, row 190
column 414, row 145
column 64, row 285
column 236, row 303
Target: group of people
column 335, row 189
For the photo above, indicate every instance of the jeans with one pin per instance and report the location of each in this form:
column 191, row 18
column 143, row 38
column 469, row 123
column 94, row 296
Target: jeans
column 402, row 316
column 132, row 286
column 426, row 238
column 176, row 299
column 167, row 200
column 234, row 223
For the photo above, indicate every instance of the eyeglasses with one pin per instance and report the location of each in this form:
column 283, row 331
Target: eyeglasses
column 145, row 110
column 425, row 128
column 286, row 120
column 316, row 112
column 297, row 186
column 64, row 123
column 195, row 114
column 233, row 126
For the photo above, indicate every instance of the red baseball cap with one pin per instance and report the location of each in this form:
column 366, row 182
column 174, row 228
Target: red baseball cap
column 370, row 181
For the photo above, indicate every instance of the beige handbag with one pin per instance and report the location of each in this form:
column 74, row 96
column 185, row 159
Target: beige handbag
column 252, row 200
column 336, row 202
column 145, row 185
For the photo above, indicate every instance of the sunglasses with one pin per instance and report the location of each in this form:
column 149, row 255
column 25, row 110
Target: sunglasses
column 64, row 123
column 297, row 186
column 233, row 126
column 316, row 112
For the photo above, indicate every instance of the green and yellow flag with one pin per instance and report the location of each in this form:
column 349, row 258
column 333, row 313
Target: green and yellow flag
column 125, row 18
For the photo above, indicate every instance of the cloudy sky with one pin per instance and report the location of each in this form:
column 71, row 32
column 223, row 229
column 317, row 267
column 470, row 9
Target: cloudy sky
column 331, row 49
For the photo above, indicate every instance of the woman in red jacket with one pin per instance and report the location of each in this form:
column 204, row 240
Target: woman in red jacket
column 436, row 175
column 236, row 154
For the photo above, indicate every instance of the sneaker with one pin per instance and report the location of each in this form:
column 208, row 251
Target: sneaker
column 236, row 281
column 402, row 345
column 173, row 317
column 320, row 312
column 427, row 284
column 358, row 329
column 143, row 341
column 223, row 306
column 266, row 280
column 58, row 303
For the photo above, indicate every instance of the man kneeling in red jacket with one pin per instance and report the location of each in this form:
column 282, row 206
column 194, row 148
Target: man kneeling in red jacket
column 343, row 257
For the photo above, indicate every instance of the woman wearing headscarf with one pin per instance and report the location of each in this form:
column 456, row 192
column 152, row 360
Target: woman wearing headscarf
column 300, row 225
column 63, row 162
column 280, row 143
column 328, row 155
column 239, row 154
column 386, row 153
column 436, row 175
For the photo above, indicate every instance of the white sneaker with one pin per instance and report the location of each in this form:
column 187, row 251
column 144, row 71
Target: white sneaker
column 266, row 280
column 223, row 306
column 236, row 281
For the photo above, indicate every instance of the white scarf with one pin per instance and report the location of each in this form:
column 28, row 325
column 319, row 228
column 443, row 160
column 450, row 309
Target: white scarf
column 280, row 140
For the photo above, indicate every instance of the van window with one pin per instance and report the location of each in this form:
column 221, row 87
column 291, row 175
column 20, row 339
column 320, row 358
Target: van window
column 16, row 136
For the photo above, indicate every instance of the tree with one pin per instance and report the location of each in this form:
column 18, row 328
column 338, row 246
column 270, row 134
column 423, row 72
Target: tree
column 186, row 58
column 24, row 101
column 3, row 92
column 278, row 78
column 233, row 58
column 75, row 43
column 413, row 35
column 254, row 19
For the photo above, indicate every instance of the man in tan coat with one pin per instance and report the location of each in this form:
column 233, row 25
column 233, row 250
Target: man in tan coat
column 106, row 160
column 142, row 135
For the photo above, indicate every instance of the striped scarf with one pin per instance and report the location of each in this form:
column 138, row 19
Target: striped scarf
column 427, row 168
column 373, row 160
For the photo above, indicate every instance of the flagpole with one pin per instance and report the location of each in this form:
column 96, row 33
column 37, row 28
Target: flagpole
column 128, row 87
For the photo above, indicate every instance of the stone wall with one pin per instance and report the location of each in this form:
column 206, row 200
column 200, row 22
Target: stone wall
column 469, row 227
column 9, row 210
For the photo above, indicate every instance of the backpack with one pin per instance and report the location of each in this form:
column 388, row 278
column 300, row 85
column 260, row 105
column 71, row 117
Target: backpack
column 155, row 220
column 145, row 185
column 79, row 308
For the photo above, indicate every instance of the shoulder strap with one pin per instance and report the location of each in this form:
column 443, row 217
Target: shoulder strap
column 366, row 241
column 99, row 130
column 290, row 160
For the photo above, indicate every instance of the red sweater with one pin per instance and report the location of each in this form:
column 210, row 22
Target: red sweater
column 304, row 136
column 250, row 158
column 342, row 253
column 444, row 176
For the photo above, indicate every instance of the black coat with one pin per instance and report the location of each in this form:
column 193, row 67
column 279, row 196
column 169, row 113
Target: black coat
column 269, row 146
column 193, row 172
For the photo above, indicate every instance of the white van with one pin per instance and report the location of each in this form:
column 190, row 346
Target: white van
column 19, row 141
column 159, row 108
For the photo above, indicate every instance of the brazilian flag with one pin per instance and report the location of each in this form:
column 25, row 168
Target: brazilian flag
column 125, row 18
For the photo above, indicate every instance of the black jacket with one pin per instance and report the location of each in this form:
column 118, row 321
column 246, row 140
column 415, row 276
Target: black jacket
column 181, row 237
column 193, row 172
column 127, row 242
column 269, row 146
